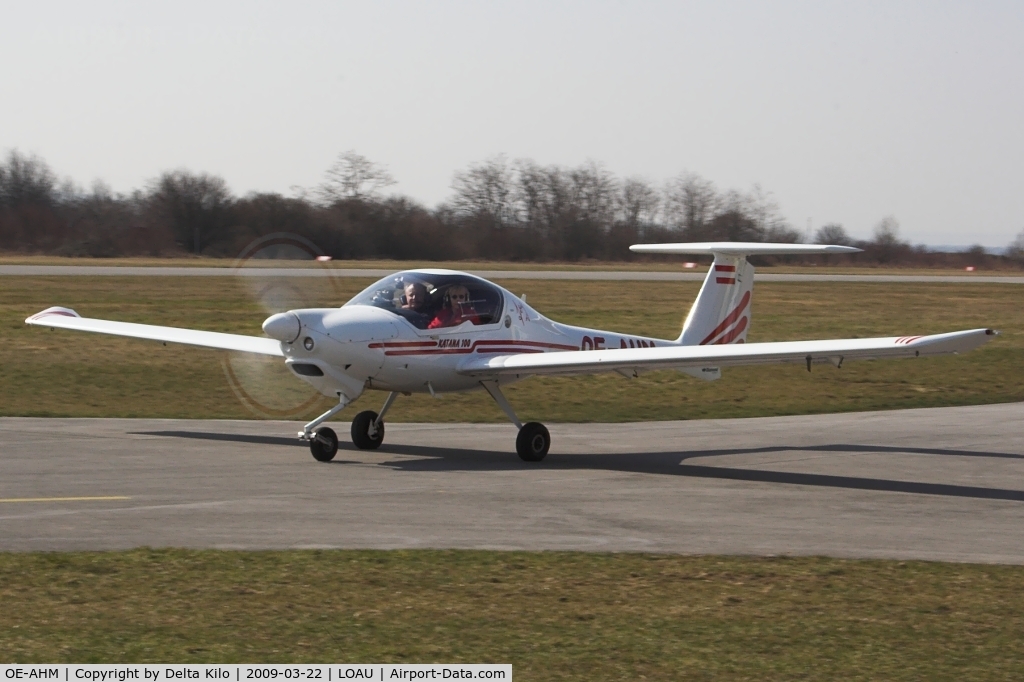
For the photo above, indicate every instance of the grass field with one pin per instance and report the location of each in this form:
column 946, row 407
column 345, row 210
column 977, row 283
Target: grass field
column 63, row 373
column 552, row 615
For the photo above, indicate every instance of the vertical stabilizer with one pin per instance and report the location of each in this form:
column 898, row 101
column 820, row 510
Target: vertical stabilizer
column 721, row 313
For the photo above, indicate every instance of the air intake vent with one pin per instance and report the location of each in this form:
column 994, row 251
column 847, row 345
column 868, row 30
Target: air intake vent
column 307, row 370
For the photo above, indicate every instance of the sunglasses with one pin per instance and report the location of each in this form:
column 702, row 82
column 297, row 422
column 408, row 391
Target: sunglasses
column 459, row 297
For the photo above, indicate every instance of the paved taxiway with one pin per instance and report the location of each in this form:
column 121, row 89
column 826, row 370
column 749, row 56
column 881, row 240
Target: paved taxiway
column 930, row 484
column 696, row 275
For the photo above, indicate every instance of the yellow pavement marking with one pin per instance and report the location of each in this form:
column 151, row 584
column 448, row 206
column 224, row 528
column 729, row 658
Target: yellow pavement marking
column 63, row 499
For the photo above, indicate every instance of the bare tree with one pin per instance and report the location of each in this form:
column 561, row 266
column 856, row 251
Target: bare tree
column 27, row 180
column 196, row 206
column 638, row 204
column 886, row 243
column 486, row 190
column 543, row 196
column 762, row 208
column 887, row 232
column 832, row 233
column 691, row 202
column 353, row 176
column 593, row 193
column 1016, row 248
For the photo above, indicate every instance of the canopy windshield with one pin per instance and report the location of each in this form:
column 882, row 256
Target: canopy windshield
column 431, row 300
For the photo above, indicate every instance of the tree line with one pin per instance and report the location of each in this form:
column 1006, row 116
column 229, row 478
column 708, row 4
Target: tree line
column 498, row 210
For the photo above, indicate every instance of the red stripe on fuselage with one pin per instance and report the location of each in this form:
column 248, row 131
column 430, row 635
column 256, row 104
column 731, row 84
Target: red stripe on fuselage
column 403, row 344
column 480, row 346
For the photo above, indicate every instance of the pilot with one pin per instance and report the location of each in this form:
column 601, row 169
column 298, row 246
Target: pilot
column 456, row 310
column 415, row 297
column 416, row 302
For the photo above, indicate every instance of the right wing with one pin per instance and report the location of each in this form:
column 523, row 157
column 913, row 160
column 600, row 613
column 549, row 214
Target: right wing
column 65, row 318
column 697, row 357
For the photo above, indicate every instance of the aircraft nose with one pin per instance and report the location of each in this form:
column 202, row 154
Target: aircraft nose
column 282, row 326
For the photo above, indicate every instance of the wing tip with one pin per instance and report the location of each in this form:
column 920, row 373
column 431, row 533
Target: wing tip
column 52, row 310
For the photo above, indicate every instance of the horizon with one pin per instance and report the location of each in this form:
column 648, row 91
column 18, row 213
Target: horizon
column 845, row 113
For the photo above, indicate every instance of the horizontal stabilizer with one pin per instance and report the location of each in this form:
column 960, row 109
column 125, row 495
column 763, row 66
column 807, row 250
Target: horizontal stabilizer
column 65, row 318
column 742, row 249
column 729, row 355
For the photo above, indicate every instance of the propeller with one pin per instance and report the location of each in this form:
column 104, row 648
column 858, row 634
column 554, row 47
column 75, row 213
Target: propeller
column 263, row 384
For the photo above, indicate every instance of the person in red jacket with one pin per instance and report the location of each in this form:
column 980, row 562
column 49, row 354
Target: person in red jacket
column 456, row 309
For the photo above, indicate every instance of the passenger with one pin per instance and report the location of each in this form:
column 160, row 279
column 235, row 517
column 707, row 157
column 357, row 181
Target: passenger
column 456, row 310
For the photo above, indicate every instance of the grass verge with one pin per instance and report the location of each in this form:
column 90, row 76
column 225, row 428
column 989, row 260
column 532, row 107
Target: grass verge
column 71, row 374
column 553, row 615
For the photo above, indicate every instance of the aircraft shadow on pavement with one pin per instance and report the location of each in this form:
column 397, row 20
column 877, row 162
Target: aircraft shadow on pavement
column 673, row 463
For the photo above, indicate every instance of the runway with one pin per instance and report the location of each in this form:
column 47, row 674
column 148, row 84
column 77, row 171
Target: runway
column 917, row 484
column 696, row 275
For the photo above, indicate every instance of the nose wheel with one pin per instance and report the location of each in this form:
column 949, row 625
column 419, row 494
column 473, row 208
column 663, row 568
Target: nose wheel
column 324, row 444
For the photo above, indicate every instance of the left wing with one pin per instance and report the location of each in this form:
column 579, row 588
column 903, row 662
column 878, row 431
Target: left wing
column 65, row 318
column 689, row 357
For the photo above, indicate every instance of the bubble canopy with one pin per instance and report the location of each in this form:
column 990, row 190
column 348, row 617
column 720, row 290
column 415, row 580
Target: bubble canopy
column 435, row 299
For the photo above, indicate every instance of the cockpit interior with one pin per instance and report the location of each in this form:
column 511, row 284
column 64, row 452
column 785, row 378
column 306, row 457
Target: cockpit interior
column 432, row 300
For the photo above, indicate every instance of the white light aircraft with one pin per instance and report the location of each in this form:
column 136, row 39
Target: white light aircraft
column 435, row 331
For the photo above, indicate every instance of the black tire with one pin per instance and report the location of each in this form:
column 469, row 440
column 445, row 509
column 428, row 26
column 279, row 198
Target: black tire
column 324, row 444
column 361, row 431
column 533, row 442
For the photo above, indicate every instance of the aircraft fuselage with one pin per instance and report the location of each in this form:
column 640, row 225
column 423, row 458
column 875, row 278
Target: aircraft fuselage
column 363, row 346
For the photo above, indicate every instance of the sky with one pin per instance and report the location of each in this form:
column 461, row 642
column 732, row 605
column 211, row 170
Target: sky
column 846, row 111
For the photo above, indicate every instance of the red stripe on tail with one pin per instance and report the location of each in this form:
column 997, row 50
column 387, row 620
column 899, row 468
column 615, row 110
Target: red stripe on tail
column 736, row 331
column 730, row 318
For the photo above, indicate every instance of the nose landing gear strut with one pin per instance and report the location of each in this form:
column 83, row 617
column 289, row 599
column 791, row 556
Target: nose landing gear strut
column 367, row 430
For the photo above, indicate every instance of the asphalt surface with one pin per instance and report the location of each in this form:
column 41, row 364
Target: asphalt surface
column 593, row 275
column 925, row 484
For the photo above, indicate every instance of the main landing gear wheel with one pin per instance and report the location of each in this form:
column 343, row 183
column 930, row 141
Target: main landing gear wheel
column 533, row 442
column 324, row 444
column 365, row 433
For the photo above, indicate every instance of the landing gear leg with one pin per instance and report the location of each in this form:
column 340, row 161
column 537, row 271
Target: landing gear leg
column 323, row 443
column 533, row 441
column 368, row 426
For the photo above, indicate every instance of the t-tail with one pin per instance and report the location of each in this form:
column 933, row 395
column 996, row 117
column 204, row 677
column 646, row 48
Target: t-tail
column 721, row 313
